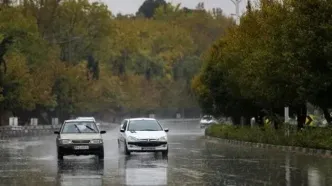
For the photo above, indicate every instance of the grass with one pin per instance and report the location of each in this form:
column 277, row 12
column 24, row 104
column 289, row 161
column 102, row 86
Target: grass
column 318, row 138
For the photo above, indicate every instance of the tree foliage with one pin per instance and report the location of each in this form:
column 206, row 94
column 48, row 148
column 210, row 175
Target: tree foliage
column 278, row 56
column 74, row 57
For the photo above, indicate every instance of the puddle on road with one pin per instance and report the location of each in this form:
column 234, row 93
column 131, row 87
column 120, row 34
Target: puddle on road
column 20, row 170
column 174, row 144
column 71, row 157
column 248, row 160
column 190, row 173
column 49, row 179
column 218, row 156
column 21, row 145
column 81, row 176
column 43, row 158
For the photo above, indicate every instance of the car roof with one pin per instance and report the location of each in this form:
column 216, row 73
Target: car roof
column 135, row 119
column 85, row 118
column 75, row 120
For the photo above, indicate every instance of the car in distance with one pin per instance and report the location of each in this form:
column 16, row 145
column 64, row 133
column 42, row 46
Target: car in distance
column 79, row 137
column 86, row 118
column 89, row 118
column 143, row 135
column 207, row 120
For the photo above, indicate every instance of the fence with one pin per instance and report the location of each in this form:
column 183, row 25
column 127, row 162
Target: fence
column 18, row 131
column 178, row 120
column 36, row 130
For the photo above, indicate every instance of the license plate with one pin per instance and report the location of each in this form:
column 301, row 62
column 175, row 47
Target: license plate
column 81, row 147
column 148, row 148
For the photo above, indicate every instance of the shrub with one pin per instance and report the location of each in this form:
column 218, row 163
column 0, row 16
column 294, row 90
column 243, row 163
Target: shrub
column 320, row 138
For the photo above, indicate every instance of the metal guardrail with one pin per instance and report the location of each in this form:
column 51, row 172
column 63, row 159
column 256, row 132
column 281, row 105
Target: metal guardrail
column 179, row 120
column 18, row 131
column 38, row 127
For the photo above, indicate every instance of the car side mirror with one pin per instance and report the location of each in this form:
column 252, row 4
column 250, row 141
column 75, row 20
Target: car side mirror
column 122, row 130
column 166, row 130
column 56, row 132
column 102, row 132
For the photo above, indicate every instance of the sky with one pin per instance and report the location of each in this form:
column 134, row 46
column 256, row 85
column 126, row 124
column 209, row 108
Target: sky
column 131, row 6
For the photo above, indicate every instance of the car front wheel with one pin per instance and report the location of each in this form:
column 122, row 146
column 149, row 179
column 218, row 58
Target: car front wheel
column 165, row 153
column 127, row 152
column 60, row 155
column 101, row 154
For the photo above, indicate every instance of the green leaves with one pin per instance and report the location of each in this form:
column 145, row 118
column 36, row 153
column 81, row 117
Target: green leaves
column 277, row 56
column 75, row 57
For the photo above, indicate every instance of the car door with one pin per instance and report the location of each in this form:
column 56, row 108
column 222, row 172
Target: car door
column 122, row 134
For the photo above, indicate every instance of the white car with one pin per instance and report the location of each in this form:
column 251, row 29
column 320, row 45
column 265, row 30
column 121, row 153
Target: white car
column 89, row 118
column 86, row 118
column 143, row 135
column 207, row 120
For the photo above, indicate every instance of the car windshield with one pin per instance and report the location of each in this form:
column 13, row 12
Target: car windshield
column 207, row 117
column 86, row 118
column 80, row 127
column 144, row 125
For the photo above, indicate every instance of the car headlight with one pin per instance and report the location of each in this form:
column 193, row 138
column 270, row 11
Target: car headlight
column 96, row 141
column 131, row 138
column 65, row 141
column 164, row 138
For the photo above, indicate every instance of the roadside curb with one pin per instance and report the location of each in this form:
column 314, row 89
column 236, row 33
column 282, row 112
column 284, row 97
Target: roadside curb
column 303, row 150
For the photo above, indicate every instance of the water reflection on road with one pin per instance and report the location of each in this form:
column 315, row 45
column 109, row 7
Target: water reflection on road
column 192, row 161
column 79, row 171
column 149, row 169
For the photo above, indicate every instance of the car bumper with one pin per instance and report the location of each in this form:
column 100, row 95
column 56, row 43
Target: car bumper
column 147, row 146
column 70, row 149
column 206, row 124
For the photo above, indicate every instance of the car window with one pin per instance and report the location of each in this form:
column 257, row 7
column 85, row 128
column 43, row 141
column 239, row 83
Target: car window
column 86, row 118
column 125, row 124
column 144, row 125
column 207, row 117
column 79, row 127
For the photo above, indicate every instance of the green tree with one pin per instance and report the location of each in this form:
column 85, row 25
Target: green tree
column 147, row 9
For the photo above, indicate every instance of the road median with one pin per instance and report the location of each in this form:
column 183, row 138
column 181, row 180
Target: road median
column 314, row 141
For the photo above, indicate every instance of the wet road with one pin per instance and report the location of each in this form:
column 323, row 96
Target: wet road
column 192, row 161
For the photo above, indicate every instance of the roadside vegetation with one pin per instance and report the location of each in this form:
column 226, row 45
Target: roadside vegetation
column 73, row 57
column 319, row 138
column 279, row 55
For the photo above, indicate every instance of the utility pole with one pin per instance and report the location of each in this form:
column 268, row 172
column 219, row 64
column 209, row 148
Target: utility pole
column 237, row 10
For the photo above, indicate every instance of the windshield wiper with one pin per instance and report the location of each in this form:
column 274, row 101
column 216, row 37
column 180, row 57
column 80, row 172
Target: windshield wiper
column 77, row 128
column 90, row 128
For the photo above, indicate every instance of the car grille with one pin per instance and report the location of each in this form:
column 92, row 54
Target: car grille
column 81, row 141
column 148, row 140
column 148, row 144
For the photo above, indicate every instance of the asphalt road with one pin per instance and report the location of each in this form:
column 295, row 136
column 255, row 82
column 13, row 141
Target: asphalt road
column 192, row 161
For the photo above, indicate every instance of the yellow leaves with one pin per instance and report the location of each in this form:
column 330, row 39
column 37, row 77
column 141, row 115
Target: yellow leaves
column 17, row 82
column 140, row 93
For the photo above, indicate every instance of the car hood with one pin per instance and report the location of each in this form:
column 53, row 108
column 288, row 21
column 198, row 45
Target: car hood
column 146, row 134
column 208, row 121
column 80, row 136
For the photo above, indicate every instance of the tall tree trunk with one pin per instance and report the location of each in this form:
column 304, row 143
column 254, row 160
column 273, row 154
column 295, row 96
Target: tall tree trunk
column 236, row 120
column 301, row 116
column 260, row 119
